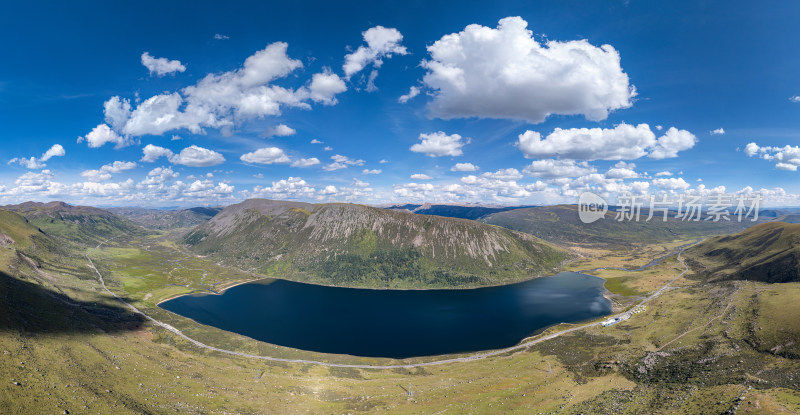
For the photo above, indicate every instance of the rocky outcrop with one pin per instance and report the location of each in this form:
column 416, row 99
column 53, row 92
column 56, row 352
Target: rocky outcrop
column 259, row 233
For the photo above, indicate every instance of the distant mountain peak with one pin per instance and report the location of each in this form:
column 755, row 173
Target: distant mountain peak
column 360, row 245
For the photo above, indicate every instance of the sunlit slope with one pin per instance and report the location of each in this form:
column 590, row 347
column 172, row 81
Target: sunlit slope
column 768, row 252
column 79, row 224
column 22, row 244
column 15, row 230
column 358, row 245
column 561, row 224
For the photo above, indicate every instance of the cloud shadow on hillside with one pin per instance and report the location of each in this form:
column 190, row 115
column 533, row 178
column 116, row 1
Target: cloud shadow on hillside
column 27, row 307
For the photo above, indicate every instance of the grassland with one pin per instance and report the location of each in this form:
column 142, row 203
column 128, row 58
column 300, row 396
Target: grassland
column 80, row 225
column 767, row 252
column 627, row 258
column 64, row 345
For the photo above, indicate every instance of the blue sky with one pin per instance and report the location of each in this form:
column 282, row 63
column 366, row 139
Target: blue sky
column 523, row 96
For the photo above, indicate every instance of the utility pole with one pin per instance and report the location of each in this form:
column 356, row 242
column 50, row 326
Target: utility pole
column 409, row 391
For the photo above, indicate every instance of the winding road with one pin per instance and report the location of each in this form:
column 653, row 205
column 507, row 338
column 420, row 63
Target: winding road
column 477, row 356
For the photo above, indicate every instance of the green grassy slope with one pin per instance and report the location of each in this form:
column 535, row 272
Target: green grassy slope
column 356, row 245
column 768, row 252
column 15, row 230
column 84, row 225
column 560, row 224
column 24, row 245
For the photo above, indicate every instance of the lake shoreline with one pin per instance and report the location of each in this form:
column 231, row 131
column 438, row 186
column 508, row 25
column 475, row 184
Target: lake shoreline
column 409, row 323
column 224, row 287
column 557, row 271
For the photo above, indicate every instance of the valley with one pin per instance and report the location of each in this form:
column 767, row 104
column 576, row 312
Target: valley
column 314, row 208
column 69, row 345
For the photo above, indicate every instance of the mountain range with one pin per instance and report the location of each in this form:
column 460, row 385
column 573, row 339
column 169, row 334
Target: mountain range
column 84, row 225
column 166, row 219
column 561, row 225
column 365, row 246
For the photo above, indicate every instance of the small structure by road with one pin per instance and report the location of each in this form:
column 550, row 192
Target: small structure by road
column 615, row 320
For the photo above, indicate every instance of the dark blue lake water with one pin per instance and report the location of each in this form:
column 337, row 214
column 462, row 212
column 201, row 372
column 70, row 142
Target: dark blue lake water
column 396, row 323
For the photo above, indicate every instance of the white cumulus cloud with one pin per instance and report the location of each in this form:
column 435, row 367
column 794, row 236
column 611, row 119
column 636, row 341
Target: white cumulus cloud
column 342, row 162
column 280, row 130
column 622, row 170
column 219, row 100
column 329, row 190
column 194, row 156
column 412, row 92
column 464, row 167
column 119, row 166
column 623, row 142
column 671, row 183
column 553, row 169
column 382, row 42
column 104, row 172
column 313, row 161
column 674, row 141
column 439, row 144
column 152, row 153
column 103, row 134
column 506, row 73
column 785, row 158
column 417, row 191
column 499, row 186
column 325, row 86
column 161, row 66
column 28, row 163
column 266, row 155
column 291, row 188
column 420, row 176
column 57, row 150
column 751, row 149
